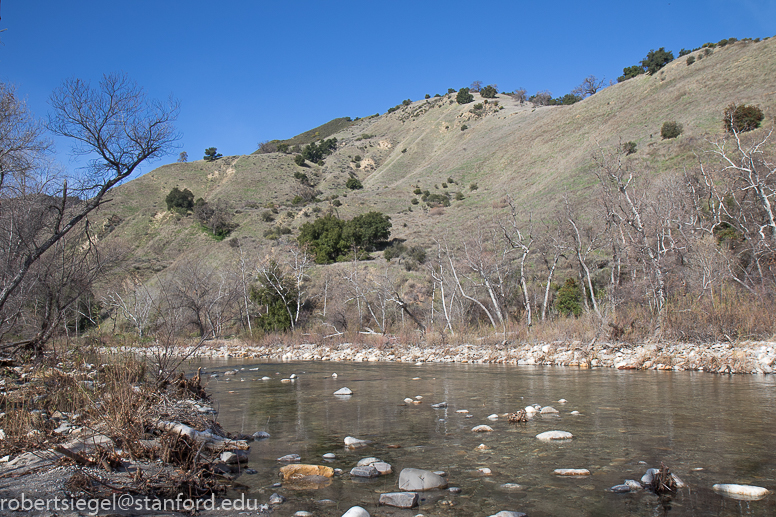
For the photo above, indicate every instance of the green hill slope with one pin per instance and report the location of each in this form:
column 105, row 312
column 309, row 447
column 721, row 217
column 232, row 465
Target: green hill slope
column 502, row 147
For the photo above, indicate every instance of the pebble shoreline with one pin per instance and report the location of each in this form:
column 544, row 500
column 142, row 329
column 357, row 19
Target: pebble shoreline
column 752, row 357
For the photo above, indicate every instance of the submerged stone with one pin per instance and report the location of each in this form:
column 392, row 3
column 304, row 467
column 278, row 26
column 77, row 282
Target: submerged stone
column 300, row 470
column 571, row 472
column 400, row 499
column 367, row 471
column 419, row 480
column 555, row 435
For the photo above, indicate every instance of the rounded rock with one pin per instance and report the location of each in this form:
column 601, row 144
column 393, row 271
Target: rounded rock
column 743, row 492
column 554, row 435
column 356, row 511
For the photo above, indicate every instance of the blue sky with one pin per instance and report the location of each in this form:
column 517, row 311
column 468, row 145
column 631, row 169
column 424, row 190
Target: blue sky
column 248, row 71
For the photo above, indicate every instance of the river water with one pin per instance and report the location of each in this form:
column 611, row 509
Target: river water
column 707, row 428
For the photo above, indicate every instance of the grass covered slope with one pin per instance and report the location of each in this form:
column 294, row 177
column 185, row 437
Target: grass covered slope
column 489, row 150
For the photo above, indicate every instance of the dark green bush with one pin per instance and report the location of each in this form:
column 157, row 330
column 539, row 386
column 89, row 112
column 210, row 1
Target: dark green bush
column 742, row 118
column 671, row 129
column 435, row 200
column 464, row 97
column 299, row 160
column 330, row 238
column 267, row 216
column 630, row 72
column 417, row 191
column 414, row 201
column 569, row 300
column 488, row 92
column 395, row 250
column 276, row 316
column 211, row 154
column 180, row 201
column 473, row 186
column 336, row 202
column 354, row 184
column 690, row 60
column 629, row 148
column 459, row 196
column 464, row 127
column 656, row 59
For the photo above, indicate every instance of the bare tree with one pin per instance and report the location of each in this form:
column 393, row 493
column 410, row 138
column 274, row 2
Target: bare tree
column 521, row 241
column 443, row 282
column 183, row 157
column 583, row 243
column 551, row 248
column 114, row 123
column 520, row 95
column 734, row 195
column 134, row 302
column 475, row 86
column 590, row 85
column 542, row 98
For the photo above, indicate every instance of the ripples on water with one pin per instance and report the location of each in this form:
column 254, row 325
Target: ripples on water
column 723, row 425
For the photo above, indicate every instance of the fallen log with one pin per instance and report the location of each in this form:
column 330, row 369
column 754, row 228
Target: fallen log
column 212, row 441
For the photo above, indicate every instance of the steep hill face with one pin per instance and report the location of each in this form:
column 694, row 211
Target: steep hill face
column 488, row 148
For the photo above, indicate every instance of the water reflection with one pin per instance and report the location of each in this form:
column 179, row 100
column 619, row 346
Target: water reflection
column 707, row 428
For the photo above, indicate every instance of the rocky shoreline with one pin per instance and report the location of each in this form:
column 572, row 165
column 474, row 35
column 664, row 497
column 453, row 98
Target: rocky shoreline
column 747, row 357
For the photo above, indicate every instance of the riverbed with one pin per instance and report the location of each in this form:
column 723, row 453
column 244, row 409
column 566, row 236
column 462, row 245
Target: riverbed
column 707, row 428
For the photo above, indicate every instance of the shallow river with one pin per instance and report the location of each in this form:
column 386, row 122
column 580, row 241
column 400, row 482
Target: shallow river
column 707, row 428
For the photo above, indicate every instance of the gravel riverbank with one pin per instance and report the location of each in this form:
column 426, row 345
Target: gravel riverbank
column 744, row 357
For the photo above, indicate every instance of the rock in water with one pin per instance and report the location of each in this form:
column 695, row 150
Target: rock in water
column 356, row 511
column 383, row 468
column 234, row 457
column 504, row 513
column 354, row 443
column 620, row 489
column 413, row 480
column 399, row 499
column 482, row 429
column 571, row 472
column 300, row 470
column 555, row 435
column 367, row 471
column 276, row 499
column 343, row 391
column 290, row 458
column 743, row 492
column 548, row 410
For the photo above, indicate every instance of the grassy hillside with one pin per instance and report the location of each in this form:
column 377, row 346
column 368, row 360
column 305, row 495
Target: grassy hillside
column 534, row 154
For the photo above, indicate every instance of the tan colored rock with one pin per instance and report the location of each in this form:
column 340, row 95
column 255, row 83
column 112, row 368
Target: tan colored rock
column 298, row 471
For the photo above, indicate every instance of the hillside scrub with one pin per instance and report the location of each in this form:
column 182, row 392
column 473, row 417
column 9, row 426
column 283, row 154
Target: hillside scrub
column 330, row 238
column 659, row 247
